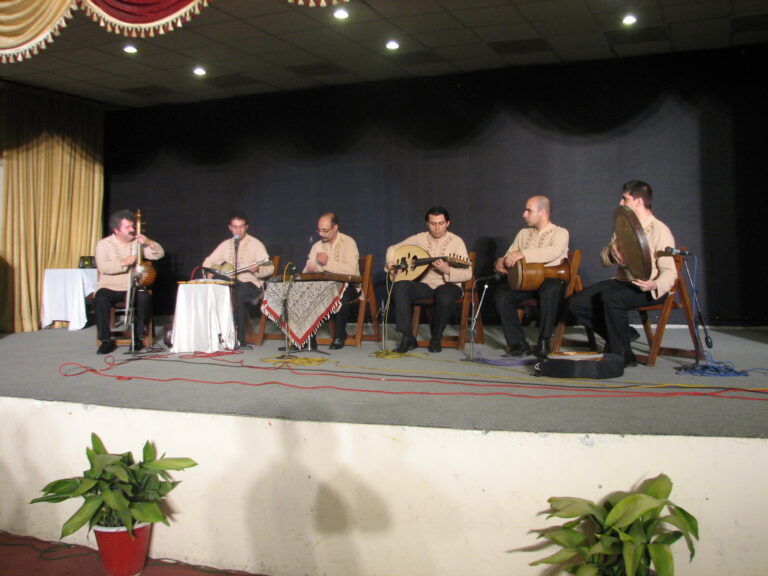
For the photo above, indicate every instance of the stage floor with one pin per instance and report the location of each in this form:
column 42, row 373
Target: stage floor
column 446, row 390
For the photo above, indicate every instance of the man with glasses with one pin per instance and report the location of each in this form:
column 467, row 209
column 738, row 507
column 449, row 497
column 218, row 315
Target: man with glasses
column 441, row 281
column 540, row 242
column 249, row 264
column 337, row 253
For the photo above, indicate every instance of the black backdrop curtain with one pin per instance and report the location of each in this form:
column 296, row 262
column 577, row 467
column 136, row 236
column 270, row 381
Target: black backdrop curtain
column 480, row 144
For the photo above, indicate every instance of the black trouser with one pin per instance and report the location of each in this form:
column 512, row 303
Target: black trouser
column 604, row 307
column 245, row 294
column 549, row 296
column 341, row 318
column 103, row 302
column 405, row 292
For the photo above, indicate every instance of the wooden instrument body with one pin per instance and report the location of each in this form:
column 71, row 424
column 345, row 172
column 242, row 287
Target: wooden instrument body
column 226, row 271
column 632, row 243
column 529, row 276
column 328, row 276
column 145, row 272
column 412, row 261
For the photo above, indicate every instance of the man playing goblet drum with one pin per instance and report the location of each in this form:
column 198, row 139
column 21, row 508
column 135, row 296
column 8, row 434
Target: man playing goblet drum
column 604, row 307
column 540, row 242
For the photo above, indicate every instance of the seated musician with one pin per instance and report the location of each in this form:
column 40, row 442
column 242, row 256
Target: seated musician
column 337, row 253
column 541, row 242
column 439, row 281
column 116, row 258
column 249, row 264
column 604, row 307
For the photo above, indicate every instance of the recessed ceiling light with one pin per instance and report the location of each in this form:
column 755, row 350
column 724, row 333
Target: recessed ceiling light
column 629, row 19
column 340, row 14
column 130, row 49
column 199, row 71
column 393, row 45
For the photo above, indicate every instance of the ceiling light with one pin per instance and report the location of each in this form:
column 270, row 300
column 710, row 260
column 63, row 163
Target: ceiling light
column 199, row 71
column 340, row 14
column 629, row 19
column 130, row 49
column 393, row 45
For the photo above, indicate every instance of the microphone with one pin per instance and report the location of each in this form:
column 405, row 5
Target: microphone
column 236, row 240
column 489, row 278
column 674, row 251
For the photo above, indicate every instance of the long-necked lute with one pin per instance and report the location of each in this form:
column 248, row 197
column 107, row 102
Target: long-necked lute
column 412, row 261
column 145, row 272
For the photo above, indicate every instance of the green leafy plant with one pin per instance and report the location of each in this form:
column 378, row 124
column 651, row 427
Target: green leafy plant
column 118, row 491
column 625, row 536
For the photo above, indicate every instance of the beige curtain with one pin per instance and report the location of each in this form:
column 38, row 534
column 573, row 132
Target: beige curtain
column 53, row 193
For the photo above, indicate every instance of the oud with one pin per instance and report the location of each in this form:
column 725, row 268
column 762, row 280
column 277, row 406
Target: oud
column 412, row 261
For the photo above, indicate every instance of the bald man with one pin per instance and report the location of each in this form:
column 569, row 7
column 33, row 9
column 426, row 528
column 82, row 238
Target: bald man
column 540, row 241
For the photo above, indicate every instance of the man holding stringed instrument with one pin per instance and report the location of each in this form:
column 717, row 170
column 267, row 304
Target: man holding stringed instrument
column 118, row 260
column 646, row 272
column 431, row 264
column 337, row 253
column 541, row 242
column 244, row 260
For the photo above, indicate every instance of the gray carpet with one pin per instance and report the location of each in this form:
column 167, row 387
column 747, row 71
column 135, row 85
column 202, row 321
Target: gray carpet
column 433, row 390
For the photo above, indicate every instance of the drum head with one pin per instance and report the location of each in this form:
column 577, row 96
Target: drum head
column 633, row 243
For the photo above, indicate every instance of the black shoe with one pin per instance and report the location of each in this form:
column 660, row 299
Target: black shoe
column 106, row 347
column 138, row 345
column 518, row 350
column 291, row 348
column 406, row 344
column 243, row 347
column 337, row 344
column 435, row 346
column 542, row 348
column 629, row 359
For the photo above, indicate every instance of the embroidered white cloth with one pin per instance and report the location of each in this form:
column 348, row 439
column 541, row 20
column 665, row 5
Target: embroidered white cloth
column 309, row 304
column 64, row 292
column 203, row 319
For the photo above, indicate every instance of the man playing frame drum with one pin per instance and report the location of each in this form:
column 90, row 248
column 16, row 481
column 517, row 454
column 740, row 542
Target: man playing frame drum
column 644, row 277
column 541, row 242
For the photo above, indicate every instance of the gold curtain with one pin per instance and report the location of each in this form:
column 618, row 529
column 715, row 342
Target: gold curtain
column 53, row 183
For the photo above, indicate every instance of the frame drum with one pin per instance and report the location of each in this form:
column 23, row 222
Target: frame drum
column 632, row 243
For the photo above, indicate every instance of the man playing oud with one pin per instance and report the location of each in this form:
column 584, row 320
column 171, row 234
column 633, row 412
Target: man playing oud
column 440, row 280
column 540, row 242
column 244, row 259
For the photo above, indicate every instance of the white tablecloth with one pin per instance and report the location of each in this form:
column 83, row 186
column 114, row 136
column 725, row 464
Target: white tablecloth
column 64, row 292
column 203, row 319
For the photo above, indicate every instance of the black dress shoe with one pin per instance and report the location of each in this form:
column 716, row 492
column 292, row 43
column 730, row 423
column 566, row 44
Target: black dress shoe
column 406, row 344
column 435, row 346
column 138, row 345
column 291, row 348
column 337, row 344
column 518, row 350
column 629, row 359
column 106, row 347
column 542, row 348
column 243, row 347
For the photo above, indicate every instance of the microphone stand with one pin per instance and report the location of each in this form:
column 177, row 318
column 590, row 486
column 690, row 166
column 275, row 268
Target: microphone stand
column 697, row 315
column 233, row 291
column 474, row 316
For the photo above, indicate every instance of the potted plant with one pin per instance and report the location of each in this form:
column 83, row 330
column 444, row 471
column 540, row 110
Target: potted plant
column 123, row 498
column 626, row 535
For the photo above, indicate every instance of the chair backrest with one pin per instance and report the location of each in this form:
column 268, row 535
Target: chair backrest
column 471, row 282
column 276, row 264
column 574, row 259
column 365, row 263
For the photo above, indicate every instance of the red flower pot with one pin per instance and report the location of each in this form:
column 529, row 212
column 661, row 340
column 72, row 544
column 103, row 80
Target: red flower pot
column 120, row 555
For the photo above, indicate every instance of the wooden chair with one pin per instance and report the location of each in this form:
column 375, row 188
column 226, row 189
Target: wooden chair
column 366, row 303
column 677, row 299
column 465, row 302
column 261, row 333
column 124, row 336
column 574, row 285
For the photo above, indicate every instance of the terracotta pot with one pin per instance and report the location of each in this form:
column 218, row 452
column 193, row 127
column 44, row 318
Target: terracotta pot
column 120, row 555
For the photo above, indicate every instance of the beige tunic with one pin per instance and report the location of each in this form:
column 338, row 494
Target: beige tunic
column 342, row 256
column 110, row 253
column 663, row 271
column 448, row 245
column 549, row 245
column 249, row 252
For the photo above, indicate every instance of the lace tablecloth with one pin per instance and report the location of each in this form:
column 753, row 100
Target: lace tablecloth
column 309, row 304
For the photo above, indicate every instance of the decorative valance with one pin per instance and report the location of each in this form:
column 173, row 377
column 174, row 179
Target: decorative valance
column 28, row 26
column 141, row 17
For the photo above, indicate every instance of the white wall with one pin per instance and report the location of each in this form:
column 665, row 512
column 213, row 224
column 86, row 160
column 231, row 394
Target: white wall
column 291, row 498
